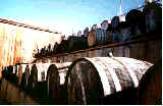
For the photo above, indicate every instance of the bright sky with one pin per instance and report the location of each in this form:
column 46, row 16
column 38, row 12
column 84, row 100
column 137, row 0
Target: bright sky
column 64, row 15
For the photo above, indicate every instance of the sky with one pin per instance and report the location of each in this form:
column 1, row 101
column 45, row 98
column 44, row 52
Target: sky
column 65, row 16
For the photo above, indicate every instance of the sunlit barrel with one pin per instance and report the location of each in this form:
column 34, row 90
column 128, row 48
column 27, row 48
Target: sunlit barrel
column 55, row 81
column 150, row 89
column 97, row 37
column 153, row 17
column 90, row 80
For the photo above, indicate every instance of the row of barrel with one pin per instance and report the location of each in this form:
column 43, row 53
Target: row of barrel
column 138, row 24
column 97, row 80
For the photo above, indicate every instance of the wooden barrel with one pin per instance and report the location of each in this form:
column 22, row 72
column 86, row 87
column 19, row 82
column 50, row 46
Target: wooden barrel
column 153, row 17
column 90, row 80
column 7, row 72
column 115, row 33
column 109, row 33
column 55, row 81
column 136, row 21
column 115, row 36
column 13, row 78
column 115, row 22
column 125, row 32
column 150, row 89
column 55, row 47
column 104, row 25
column 62, row 47
column 76, row 43
column 20, row 71
column 97, row 37
column 85, row 32
column 38, row 74
column 33, row 77
column 25, row 76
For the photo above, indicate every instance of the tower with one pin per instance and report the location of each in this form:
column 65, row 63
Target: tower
column 120, row 8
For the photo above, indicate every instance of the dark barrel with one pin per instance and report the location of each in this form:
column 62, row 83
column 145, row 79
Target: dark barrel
column 25, row 76
column 55, row 82
column 12, row 77
column 90, row 80
column 115, row 23
column 38, row 74
column 7, row 72
column 55, row 47
column 153, row 17
column 136, row 20
column 62, row 47
column 85, row 32
column 125, row 32
column 109, row 33
column 37, row 82
column 33, row 77
column 76, row 43
column 150, row 88
column 97, row 37
column 20, row 69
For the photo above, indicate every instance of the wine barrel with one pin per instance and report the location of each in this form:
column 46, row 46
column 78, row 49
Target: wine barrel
column 97, row 37
column 90, row 80
column 109, row 33
column 38, row 74
column 7, row 72
column 115, row 36
column 115, row 33
column 62, row 47
column 115, row 22
column 153, row 17
column 55, row 47
column 20, row 71
column 86, row 32
column 125, row 32
column 55, row 81
column 136, row 20
column 25, row 76
column 13, row 78
column 76, row 43
column 150, row 88
column 104, row 25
